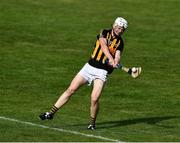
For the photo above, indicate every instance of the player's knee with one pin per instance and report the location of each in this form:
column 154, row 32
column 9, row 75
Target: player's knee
column 71, row 91
column 94, row 100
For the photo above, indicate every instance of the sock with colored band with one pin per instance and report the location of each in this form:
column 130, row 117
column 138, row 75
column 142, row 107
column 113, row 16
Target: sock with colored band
column 54, row 109
column 92, row 121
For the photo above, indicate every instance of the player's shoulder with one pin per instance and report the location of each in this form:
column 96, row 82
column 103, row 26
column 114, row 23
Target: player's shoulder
column 105, row 30
column 121, row 41
column 119, row 37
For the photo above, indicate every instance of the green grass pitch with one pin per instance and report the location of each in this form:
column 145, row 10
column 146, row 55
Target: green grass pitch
column 44, row 43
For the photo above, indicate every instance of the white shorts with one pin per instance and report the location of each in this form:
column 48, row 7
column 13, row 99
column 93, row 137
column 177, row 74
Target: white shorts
column 91, row 73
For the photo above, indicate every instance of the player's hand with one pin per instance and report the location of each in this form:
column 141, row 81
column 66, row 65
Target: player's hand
column 111, row 62
column 116, row 64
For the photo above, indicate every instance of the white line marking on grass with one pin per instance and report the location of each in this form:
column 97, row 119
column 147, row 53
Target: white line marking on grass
column 58, row 129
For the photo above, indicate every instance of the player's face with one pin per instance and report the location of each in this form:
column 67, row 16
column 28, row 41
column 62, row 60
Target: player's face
column 118, row 30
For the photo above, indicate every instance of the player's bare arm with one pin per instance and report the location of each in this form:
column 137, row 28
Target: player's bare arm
column 104, row 48
column 117, row 57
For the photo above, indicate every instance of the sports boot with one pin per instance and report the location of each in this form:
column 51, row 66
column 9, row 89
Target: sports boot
column 46, row 115
column 91, row 127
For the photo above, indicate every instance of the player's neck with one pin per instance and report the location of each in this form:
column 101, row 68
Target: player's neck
column 113, row 34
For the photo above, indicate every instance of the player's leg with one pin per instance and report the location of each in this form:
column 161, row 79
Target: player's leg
column 95, row 95
column 77, row 82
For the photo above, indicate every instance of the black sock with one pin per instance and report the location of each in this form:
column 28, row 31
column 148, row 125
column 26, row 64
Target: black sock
column 54, row 109
column 92, row 121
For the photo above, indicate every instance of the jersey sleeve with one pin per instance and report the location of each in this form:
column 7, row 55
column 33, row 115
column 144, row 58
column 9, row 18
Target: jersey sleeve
column 103, row 34
column 121, row 46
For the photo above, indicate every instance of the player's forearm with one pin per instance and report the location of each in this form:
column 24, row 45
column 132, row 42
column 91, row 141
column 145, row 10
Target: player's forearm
column 117, row 60
column 106, row 52
column 105, row 49
column 117, row 57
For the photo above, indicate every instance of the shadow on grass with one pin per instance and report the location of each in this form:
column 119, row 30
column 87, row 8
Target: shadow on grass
column 149, row 120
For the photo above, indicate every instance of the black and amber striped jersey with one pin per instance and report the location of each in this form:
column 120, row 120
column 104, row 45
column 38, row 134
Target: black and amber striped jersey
column 98, row 58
